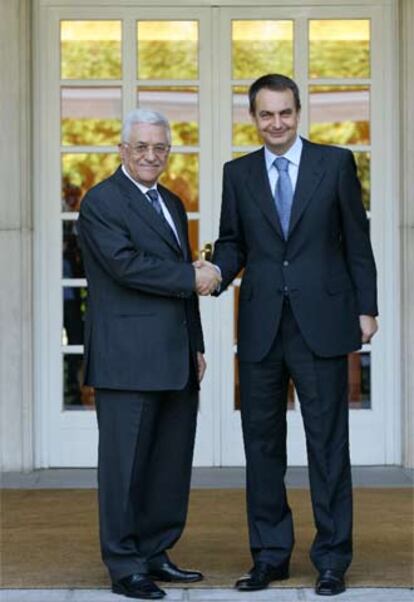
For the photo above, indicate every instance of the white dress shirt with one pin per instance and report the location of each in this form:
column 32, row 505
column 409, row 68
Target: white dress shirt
column 144, row 190
column 293, row 156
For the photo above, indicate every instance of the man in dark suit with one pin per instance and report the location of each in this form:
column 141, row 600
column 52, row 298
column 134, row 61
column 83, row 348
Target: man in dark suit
column 144, row 356
column 292, row 217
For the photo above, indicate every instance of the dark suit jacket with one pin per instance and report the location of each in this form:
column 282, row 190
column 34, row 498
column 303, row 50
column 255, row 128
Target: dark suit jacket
column 326, row 265
column 142, row 320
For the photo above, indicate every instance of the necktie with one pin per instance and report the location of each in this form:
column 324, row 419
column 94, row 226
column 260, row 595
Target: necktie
column 155, row 202
column 283, row 193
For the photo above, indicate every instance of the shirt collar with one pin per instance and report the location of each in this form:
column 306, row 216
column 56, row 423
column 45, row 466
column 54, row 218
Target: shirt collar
column 143, row 189
column 293, row 154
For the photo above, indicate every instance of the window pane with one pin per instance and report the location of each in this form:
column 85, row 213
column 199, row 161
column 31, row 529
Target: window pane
column 91, row 116
column 193, row 233
column 90, row 49
column 236, row 384
column 72, row 262
column 74, row 307
column 359, row 374
column 244, row 132
column 81, row 171
column 260, row 47
column 339, row 48
column 179, row 105
column 363, row 161
column 236, row 294
column 181, row 176
column 339, row 114
column 76, row 395
column 167, row 49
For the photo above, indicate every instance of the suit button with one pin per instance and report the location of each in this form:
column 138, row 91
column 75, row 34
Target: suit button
column 185, row 322
column 286, row 290
column 285, row 263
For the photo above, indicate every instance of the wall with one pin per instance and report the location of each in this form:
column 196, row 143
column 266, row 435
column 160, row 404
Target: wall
column 407, row 225
column 16, row 394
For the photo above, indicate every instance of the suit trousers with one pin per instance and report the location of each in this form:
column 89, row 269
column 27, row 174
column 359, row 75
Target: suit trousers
column 146, row 442
column 322, row 386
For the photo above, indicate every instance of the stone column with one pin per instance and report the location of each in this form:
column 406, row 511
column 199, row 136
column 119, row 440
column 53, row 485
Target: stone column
column 407, row 226
column 16, row 389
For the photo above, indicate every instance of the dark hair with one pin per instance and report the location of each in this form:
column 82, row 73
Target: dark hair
column 273, row 81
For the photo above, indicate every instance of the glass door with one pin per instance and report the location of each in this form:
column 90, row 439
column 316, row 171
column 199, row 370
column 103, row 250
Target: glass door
column 330, row 53
column 195, row 65
column 100, row 65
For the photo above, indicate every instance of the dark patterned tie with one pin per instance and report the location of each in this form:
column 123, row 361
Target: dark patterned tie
column 155, row 202
column 283, row 193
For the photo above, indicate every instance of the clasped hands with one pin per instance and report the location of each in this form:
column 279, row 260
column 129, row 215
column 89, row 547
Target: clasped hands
column 207, row 277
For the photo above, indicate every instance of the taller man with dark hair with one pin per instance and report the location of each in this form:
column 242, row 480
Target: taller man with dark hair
column 144, row 356
column 293, row 218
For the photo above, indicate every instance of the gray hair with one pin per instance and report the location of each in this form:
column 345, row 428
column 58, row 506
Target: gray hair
column 144, row 116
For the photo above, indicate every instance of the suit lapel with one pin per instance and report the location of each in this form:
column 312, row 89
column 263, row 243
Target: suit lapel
column 259, row 187
column 140, row 206
column 310, row 173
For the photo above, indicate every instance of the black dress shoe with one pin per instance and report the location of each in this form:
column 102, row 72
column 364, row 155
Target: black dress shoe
column 137, row 586
column 330, row 583
column 167, row 571
column 261, row 575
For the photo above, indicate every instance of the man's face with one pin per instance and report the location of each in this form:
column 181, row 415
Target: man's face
column 145, row 155
column 276, row 119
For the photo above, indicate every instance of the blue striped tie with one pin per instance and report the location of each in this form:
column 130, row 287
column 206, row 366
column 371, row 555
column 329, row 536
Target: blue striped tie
column 283, row 193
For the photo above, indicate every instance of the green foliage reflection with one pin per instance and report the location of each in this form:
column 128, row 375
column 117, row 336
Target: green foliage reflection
column 155, row 59
column 339, row 59
column 82, row 171
column 363, row 161
column 346, row 132
column 181, row 176
column 91, row 60
column 253, row 59
column 91, row 132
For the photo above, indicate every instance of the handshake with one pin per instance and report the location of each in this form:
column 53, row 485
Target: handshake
column 207, row 277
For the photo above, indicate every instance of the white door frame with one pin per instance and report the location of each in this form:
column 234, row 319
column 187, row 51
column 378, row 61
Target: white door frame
column 375, row 434
column 219, row 429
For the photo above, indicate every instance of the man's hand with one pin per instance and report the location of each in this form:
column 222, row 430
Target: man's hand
column 207, row 277
column 201, row 365
column 369, row 327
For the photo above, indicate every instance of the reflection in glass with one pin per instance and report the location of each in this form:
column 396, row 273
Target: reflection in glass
column 179, row 105
column 236, row 384
column 363, row 161
column 244, row 132
column 193, row 234
column 339, row 114
column 339, row 48
column 90, row 49
column 181, row 177
column 167, row 49
column 359, row 375
column 71, row 253
column 236, row 296
column 74, row 308
column 260, row 47
column 76, row 395
column 81, row 171
column 91, row 116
